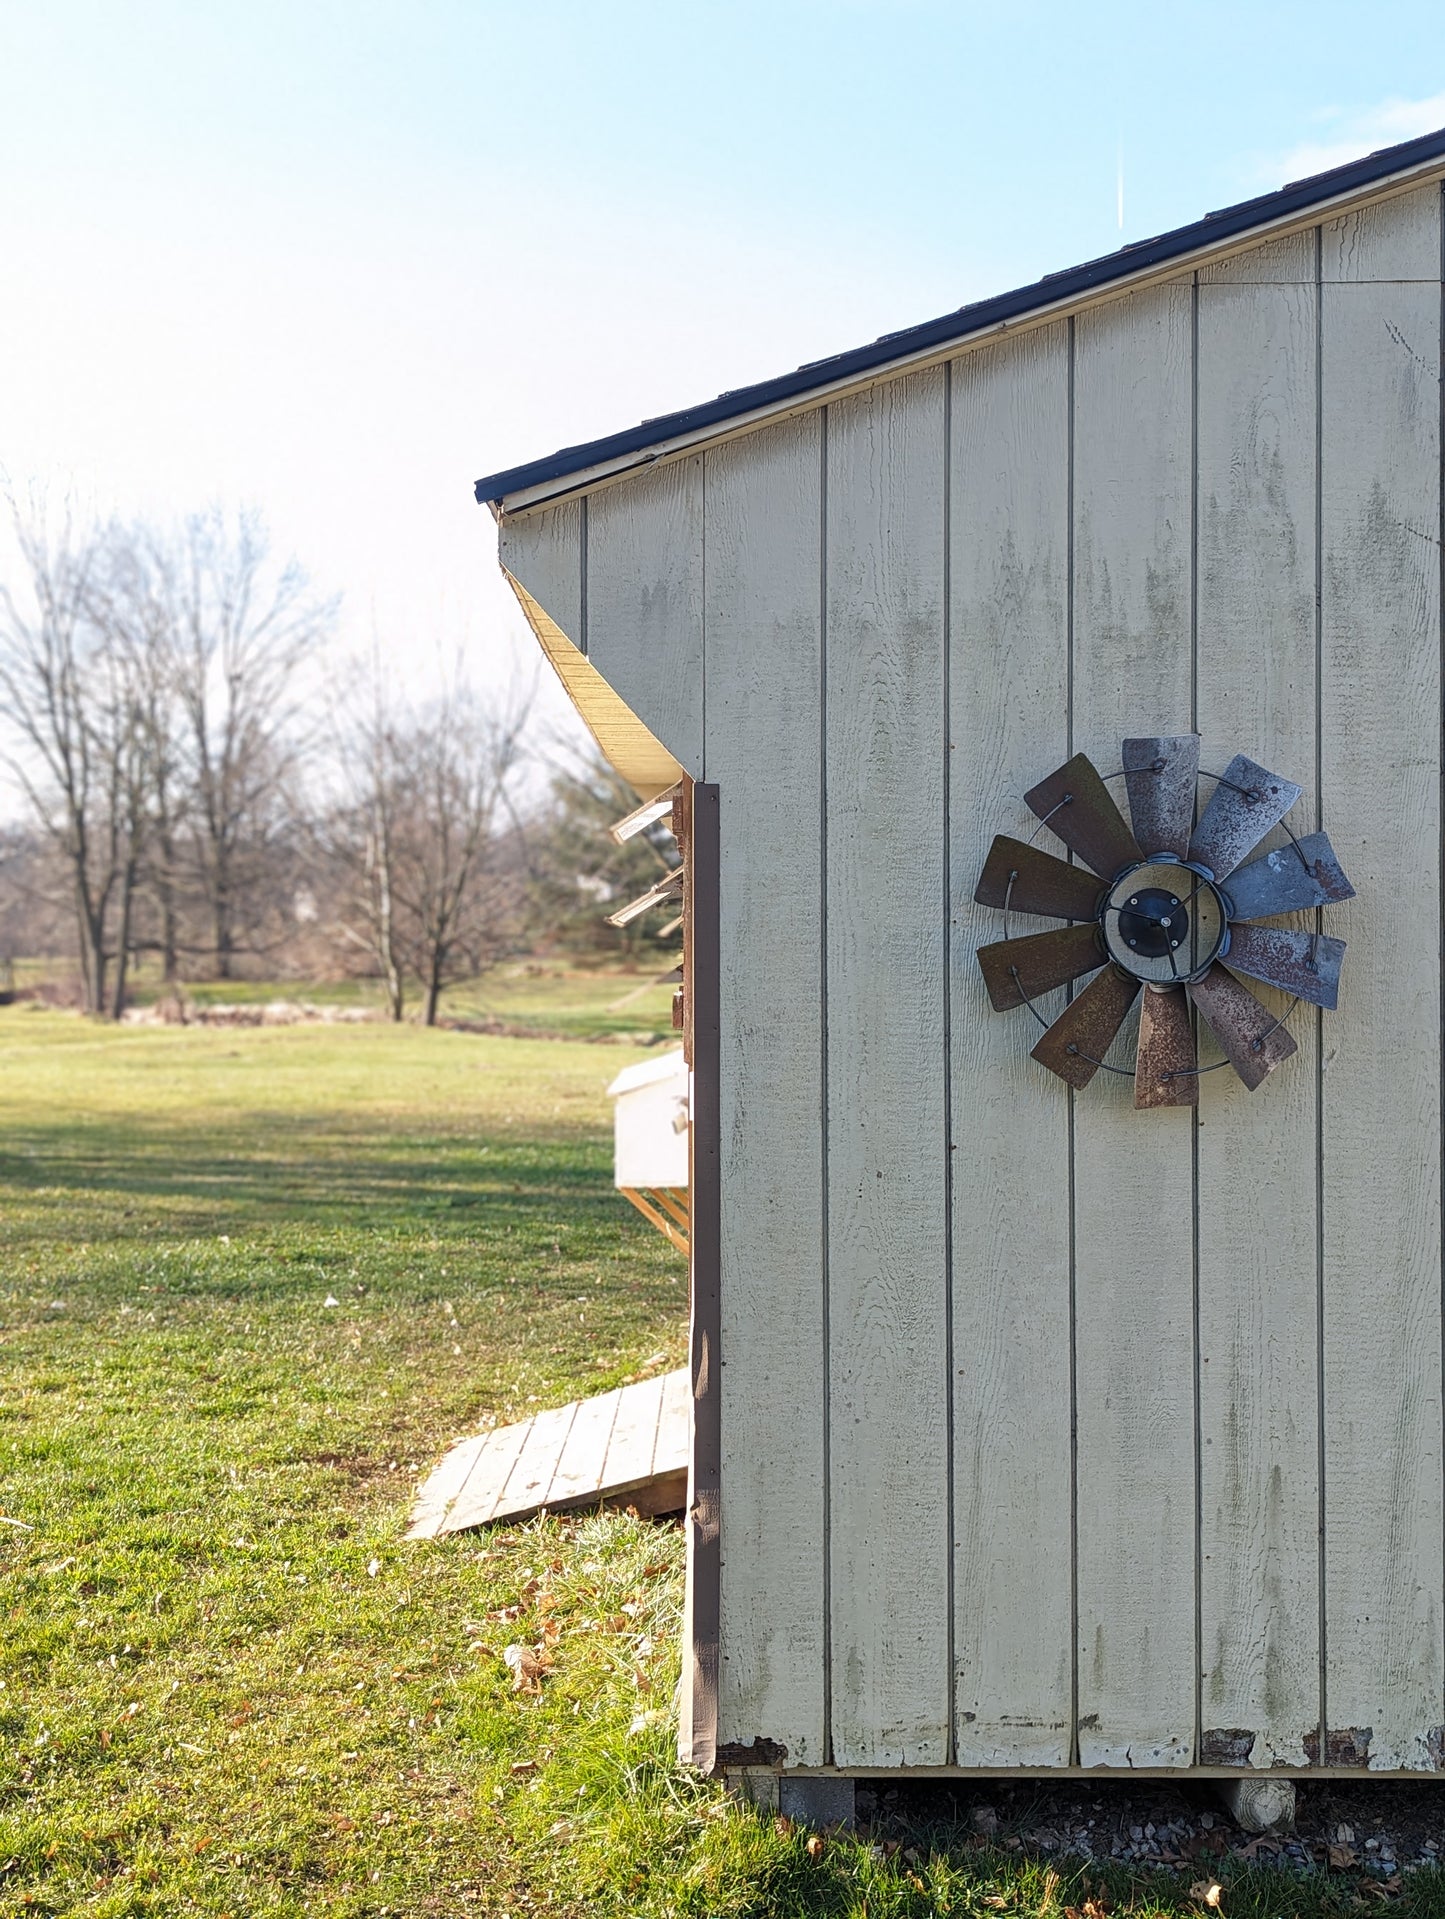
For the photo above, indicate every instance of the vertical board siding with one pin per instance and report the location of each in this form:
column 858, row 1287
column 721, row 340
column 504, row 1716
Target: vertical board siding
column 1381, row 792
column 643, row 607
column 887, row 1134
column 544, row 551
column 1008, row 722
column 764, row 710
column 1258, row 1183
column 1195, row 1358
column 1133, row 1173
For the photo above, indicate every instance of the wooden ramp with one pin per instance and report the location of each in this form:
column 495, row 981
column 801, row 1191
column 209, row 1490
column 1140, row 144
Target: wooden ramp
column 628, row 1444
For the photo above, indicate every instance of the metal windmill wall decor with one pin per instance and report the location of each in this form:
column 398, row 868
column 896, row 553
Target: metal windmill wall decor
column 1164, row 907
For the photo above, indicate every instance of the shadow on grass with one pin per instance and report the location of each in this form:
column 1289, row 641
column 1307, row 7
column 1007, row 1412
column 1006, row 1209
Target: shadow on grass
column 265, row 1174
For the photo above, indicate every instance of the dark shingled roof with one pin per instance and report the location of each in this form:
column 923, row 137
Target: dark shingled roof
column 981, row 315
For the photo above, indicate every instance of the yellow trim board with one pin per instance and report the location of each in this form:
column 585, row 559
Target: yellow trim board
column 642, row 760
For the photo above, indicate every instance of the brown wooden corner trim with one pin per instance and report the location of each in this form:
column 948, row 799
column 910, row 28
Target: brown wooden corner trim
column 698, row 1731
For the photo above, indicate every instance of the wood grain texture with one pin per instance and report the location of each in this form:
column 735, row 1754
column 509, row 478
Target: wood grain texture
column 764, row 708
column 1133, row 1173
column 1008, row 724
column 544, row 551
column 1258, row 1184
column 1287, row 261
column 633, row 1440
column 886, row 1093
column 1380, row 786
column 1394, row 239
column 644, row 600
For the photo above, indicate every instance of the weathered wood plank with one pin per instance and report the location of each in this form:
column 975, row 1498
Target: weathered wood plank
column 1008, row 725
column 482, row 1491
column 530, row 1480
column 440, row 1487
column 1133, row 1172
column 763, row 750
column 634, row 1435
column 673, row 1423
column 643, row 587
column 584, row 1453
column 886, row 1079
column 543, row 550
column 1380, row 787
column 1258, row 1173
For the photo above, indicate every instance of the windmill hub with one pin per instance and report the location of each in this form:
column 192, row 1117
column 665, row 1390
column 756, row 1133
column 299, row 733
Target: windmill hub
column 1153, row 922
column 1163, row 922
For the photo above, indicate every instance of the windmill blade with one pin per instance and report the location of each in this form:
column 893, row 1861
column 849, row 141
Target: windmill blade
column 1077, row 806
column 1165, row 1068
column 1161, row 775
column 1305, row 964
column 1041, row 883
column 1247, row 802
column 1289, row 881
column 1042, row 960
column 1241, row 1025
column 1076, row 1043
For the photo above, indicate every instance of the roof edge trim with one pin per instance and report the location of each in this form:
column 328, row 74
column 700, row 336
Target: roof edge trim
column 536, row 482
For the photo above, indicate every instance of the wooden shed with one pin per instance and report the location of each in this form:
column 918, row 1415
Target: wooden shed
column 1033, row 1431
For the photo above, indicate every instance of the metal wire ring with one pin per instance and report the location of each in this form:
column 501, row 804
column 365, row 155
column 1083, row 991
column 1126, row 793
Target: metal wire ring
column 1182, row 1072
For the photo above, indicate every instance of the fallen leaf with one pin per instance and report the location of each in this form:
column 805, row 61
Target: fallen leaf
column 782, row 1825
column 526, row 1669
column 520, row 1766
column 373, row 1567
column 331, row 1300
column 816, row 1845
column 1208, row 1891
column 1342, row 1856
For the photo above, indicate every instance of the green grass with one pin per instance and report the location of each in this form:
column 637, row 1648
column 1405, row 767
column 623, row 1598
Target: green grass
column 229, row 1686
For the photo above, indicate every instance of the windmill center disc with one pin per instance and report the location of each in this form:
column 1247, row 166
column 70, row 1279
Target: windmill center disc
column 1163, row 922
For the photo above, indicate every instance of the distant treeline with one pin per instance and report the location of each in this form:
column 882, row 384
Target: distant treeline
column 199, row 791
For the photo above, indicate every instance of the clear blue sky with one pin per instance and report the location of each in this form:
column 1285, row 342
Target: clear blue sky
column 339, row 259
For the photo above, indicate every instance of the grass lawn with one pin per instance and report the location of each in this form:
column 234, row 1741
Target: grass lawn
column 226, row 1684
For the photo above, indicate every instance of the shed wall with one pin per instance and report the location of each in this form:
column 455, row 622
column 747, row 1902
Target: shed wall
column 1055, row 1433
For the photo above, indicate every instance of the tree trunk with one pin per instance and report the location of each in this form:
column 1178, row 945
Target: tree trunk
column 122, row 945
column 433, row 995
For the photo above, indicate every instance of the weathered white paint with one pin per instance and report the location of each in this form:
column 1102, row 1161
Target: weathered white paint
column 764, row 717
column 1128, row 544
column 1380, row 783
column 1133, row 1173
column 643, row 602
column 886, row 866
column 1009, row 708
column 1258, row 1160
column 544, row 551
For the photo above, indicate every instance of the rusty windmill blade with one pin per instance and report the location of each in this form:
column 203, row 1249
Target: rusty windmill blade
column 1078, row 807
column 1253, row 1040
column 1075, row 1045
column 1305, row 964
column 1015, row 971
column 1292, row 879
column 1246, row 803
column 1161, row 776
column 1023, row 877
column 1165, row 1072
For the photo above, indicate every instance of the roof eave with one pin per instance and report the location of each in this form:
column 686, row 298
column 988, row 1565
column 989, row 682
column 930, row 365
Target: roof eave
column 1304, row 203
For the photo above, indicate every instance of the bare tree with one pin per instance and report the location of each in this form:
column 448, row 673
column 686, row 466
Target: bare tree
column 422, row 834
column 244, row 629
column 71, row 700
